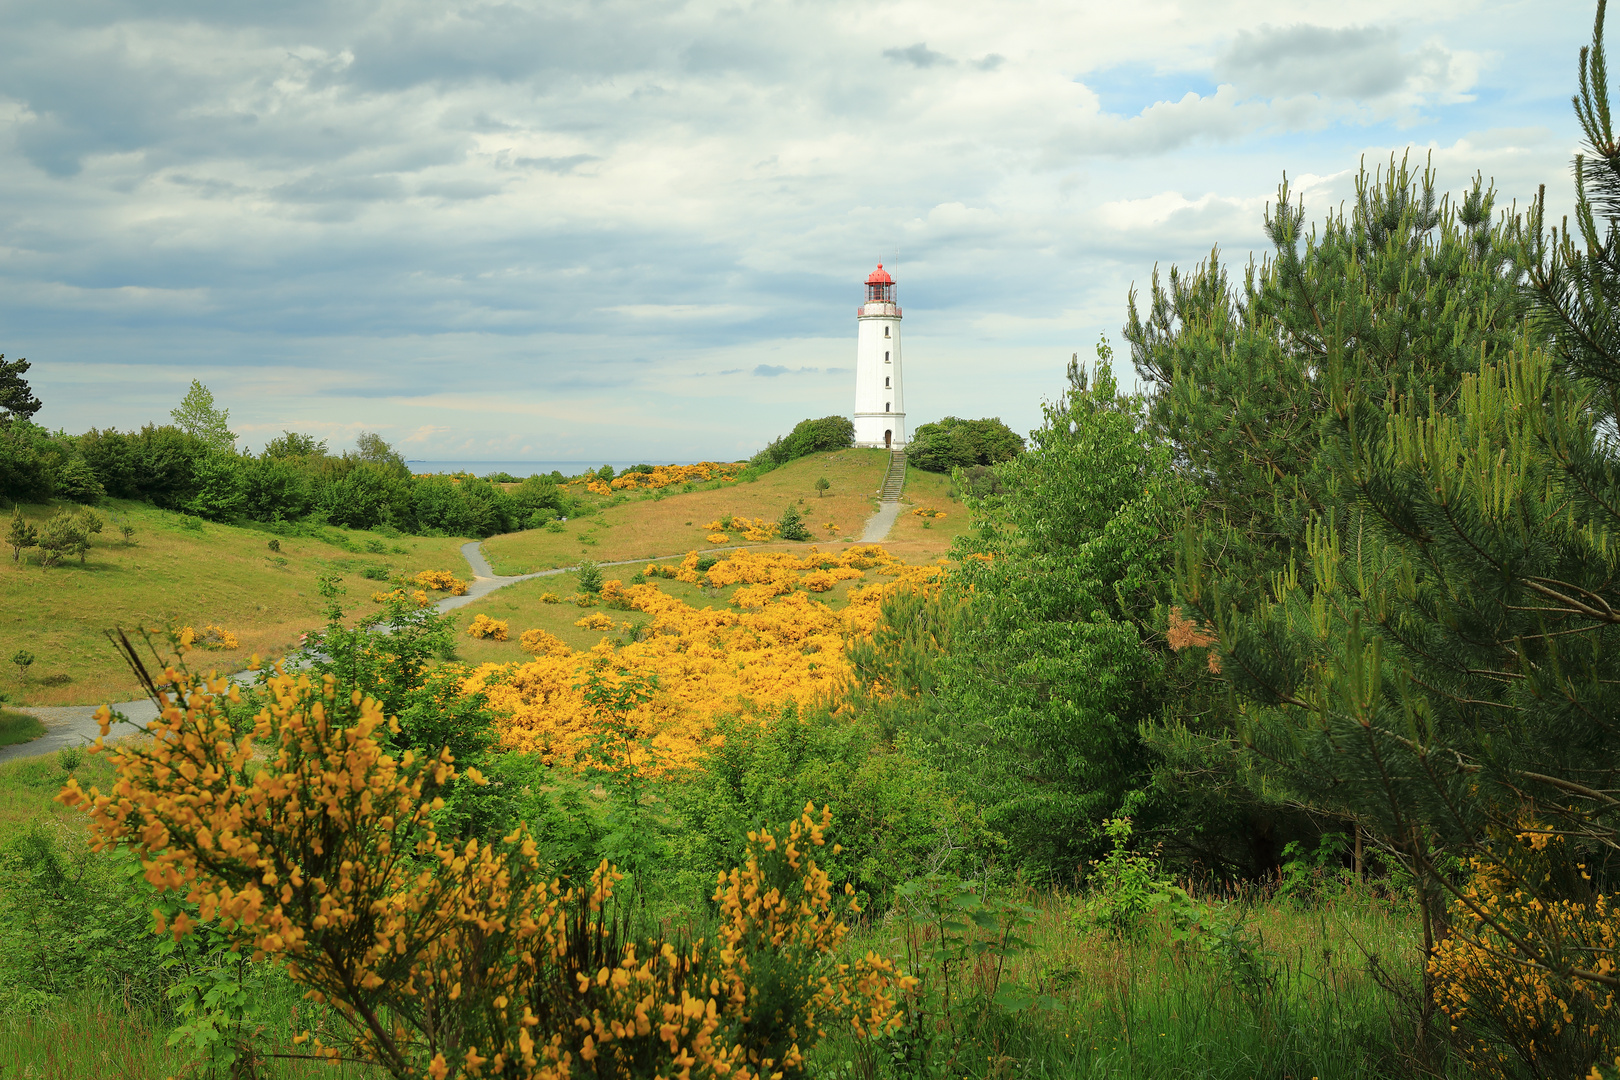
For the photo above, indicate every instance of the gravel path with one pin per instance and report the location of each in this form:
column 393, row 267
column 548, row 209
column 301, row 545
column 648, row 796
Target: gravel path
column 879, row 524
column 75, row 725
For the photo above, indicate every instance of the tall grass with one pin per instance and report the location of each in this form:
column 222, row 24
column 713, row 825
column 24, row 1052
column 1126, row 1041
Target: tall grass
column 1269, row 988
column 98, row 1038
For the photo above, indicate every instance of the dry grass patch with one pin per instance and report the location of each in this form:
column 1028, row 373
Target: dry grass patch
column 178, row 568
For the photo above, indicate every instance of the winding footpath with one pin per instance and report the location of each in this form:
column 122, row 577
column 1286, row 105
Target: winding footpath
column 75, row 725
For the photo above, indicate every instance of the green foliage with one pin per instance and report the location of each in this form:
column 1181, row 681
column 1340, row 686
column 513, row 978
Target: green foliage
column 17, row 401
column 791, row 524
column 1127, row 887
column 76, row 480
column 896, row 816
column 952, row 443
column 808, row 437
column 24, row 660
column 589, row 576
column 1057, row 664
column 72, row 920
column 20, row 534
column 197, row 417
column 822, row 485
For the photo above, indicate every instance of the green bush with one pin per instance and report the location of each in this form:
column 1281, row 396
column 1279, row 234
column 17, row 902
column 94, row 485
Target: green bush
column 955, row 443
column 807, row 437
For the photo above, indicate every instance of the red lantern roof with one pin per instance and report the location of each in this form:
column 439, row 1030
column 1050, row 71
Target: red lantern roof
column 880, row 276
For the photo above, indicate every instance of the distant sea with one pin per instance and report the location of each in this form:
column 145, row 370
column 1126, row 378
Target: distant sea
column 524, row 468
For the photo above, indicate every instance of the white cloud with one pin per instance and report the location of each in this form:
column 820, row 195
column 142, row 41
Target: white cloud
column 333, row 212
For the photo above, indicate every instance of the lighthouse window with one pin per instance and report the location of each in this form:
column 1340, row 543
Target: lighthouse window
column 886, row 405
column 885, row 331
column 885, row 382
column 885, row 356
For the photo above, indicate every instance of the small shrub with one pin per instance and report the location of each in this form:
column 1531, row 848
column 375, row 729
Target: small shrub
column 599, row 620
column 375, row 546
column 209, row 637
column 550, row 598
column 275, row 545
column 821, row 486
column 441, row 581
column 717, row 538
column 791, row 524
column 539, row 643
column 375, row 573
column 554, row 526
column 590, row 576
column 24, row 660
column 70, row 758
column 485, row 628
column 57, row 678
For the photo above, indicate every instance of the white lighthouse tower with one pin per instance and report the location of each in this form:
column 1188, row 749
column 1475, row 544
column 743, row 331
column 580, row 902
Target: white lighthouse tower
column 880, row 410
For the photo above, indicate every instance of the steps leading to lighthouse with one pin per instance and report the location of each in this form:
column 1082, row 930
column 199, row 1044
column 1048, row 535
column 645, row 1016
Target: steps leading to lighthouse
column 896, row 478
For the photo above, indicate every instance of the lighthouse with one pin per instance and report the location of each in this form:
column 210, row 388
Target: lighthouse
column 880, row 410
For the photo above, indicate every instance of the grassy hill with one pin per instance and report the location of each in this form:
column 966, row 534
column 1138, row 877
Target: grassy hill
column 181, row 568
column 646, row 525
column 201, row 573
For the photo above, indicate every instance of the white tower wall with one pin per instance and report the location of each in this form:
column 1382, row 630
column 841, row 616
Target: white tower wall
column 880, row 409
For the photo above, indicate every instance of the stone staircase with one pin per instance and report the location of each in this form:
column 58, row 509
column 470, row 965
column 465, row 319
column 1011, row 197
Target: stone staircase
column 896, row 479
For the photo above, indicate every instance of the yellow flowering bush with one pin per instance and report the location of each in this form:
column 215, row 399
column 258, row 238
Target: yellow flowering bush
column 597, row 620
column 715, row 526
column 484, row 627
column 417, row 597
column 663, row 476
column 550, row 598
column 316, row 849
column 1521, row 976
column 766, row 648
column 209, row 637
column 718, row 538
column 597, row 487
column 538, row 642
column 441, row 581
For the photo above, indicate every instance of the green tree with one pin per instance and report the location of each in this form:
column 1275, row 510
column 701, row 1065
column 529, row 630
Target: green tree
column 197, row 416
column 21, row 534
column 1406, row 550
column 791, row 524
column 372, row 449
column 290, row 444
column 1053, row 664
column 76, row 480
column 952, row 442
column 62, row 534
column 17, row 400
column 821, row 486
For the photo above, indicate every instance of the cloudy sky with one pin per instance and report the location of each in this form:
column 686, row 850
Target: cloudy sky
column 553, row 230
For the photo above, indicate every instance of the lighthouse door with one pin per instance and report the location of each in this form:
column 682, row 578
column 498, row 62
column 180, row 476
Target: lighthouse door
column 888, row 440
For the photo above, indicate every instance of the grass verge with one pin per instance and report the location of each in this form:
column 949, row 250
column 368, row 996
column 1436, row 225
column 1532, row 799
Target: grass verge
column 16, row 727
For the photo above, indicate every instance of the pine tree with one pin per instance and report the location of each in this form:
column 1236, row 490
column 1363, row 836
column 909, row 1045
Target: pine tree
column 17, row 401
column 1411, row 561
column 21, row 534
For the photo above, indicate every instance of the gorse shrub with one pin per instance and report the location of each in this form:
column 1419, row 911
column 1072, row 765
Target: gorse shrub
column 464, row 960
column 484, row 627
